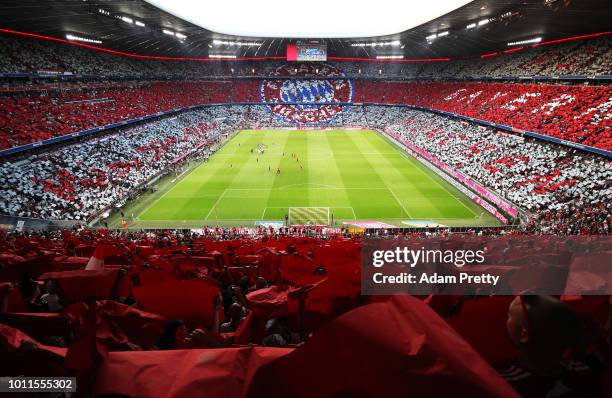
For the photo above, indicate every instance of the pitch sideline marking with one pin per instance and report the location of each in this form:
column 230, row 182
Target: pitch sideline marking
column 215, row 204
column 317, row 188
column 399, row 202
column 458, row 199
column 422, row 171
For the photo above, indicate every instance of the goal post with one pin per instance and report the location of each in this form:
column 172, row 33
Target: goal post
column 309, row 215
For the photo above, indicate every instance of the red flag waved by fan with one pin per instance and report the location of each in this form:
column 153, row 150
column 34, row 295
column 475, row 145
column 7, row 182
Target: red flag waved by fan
column 81, row 285
column 190, row 300
column 225, row 372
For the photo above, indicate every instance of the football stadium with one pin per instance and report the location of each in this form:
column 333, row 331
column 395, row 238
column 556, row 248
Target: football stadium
column 263, row 199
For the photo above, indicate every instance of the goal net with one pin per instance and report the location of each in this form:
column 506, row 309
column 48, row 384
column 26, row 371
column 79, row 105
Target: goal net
column 309, row 215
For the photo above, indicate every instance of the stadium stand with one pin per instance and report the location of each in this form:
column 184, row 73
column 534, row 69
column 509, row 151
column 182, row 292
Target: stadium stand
column 573, row 113
column 78, row 181
column 569, row 112
column 538, row 176
column 35, row 117
column 587, row 57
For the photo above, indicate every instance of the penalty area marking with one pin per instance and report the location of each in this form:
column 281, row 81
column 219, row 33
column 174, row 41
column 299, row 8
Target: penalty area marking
column 306, row 207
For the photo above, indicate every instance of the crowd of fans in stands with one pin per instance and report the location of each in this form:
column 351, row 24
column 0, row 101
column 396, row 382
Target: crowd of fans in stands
column 589, row 57
column 77, row 181
column 573, row 113
column 34, row 117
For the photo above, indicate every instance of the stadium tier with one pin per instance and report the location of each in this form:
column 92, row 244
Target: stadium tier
column 190, row 212
column 584, row 57
column 572, row 113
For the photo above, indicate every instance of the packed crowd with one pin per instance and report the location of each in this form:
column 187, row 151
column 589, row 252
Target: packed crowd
column 587, row 57
column 172, row 313
column 573, row 58
column 574, row 113
column 541, row 178
column 25, row 55
column 78, row 181
column 31, row 117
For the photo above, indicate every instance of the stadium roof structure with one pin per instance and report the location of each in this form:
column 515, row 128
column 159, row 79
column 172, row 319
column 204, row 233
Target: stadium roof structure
column 320, row 19
column 474, row 29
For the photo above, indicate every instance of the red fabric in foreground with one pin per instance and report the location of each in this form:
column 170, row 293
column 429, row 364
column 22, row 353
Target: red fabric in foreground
column 395, row 349
column 482, row 323
column 38, row 325
column 81, row 285
column 108, row 326
column 190, row 300
column 20, row 354
column 184, row 373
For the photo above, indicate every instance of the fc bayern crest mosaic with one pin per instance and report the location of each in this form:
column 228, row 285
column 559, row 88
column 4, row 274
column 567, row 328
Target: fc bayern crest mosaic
column 309, row 93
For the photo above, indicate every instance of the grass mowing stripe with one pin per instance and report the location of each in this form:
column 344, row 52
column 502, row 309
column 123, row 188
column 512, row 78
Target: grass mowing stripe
column 361, row 142
column 290, row 174
column 325, row 170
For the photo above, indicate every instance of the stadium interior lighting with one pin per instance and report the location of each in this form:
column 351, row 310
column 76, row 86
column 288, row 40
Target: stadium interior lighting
column 168, row 32
column 353, row 23
column 82, row 39
column 483, row 21
column 217, row 42
column 227, row 56
column 127, row 19
column 104, row 12
column 180, row 36
column 377, row 43
column 430, row 38
column 138, row 23
column 471, row 26
column 389, row 57
column 528, row 41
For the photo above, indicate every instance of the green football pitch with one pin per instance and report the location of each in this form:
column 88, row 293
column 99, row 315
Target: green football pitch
column 313, row 177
